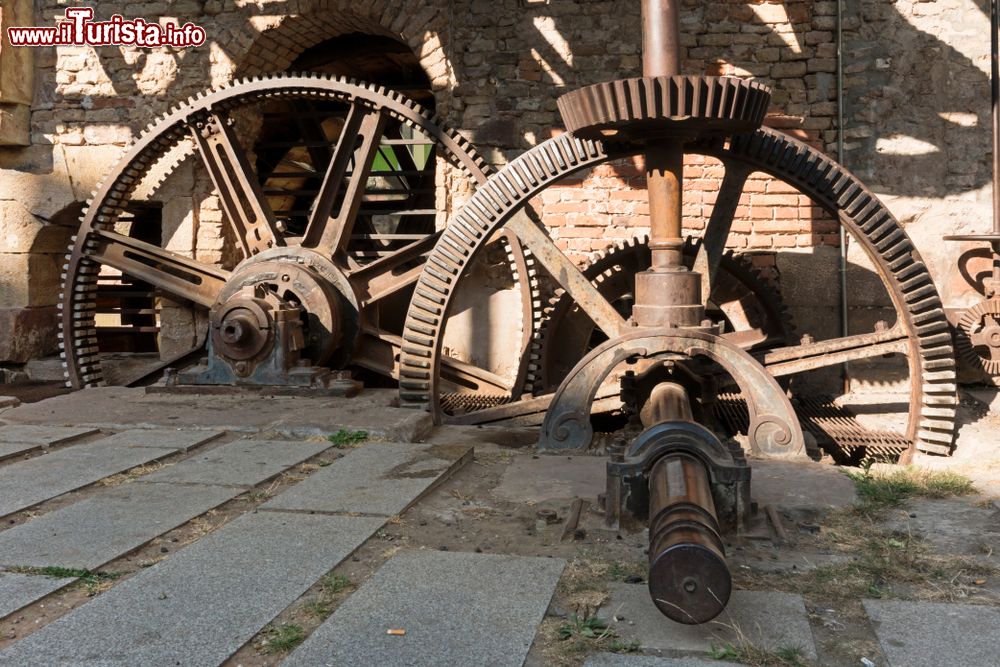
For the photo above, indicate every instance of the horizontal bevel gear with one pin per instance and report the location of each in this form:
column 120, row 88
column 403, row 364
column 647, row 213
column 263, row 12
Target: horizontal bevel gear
column 667, row 106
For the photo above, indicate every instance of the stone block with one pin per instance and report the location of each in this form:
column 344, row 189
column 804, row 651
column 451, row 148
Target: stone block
column 181, row 439
column 29, row 279
column 552, row 478
column 456, row 608
column 97, row 530
column 21, row 232
column 27, row 483
column 240, row 463
column 48, row 369
column 88, row 165
column 804, row 486
column 623, row 660
column 770, row 620
column 16, row 64
column 379, row 478
column 36, row 176
column 28, row 333
column 178, row 225
column 19, row 590
column 43, row 434
column 15, row 124
column 200, row 605
column 11, row 449
column 928, row 634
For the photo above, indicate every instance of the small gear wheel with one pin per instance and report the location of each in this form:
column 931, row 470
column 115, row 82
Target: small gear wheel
column 979, row 336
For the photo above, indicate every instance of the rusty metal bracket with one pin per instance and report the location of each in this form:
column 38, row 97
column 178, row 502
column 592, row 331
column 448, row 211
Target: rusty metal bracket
column 774, row 430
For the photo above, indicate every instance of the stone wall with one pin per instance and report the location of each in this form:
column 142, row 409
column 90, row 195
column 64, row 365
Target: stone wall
column 496, row 68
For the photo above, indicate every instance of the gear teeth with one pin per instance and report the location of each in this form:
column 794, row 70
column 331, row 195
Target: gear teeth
column 772, row 152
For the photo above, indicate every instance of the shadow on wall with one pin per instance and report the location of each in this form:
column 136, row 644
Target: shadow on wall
column 918, row 110
column 507, row 70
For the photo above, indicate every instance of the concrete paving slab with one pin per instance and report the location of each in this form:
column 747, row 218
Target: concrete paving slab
column 200, row 605
column 120, row 408
column 936, row 634
column 180, row 439
column 551, row 478
column 239, row 463
column 951, row 525
column 624, row 660
column 12, row 449
column 456, row 608
column 43, row 435
column 27, row 483
column 768, row 620
column 99, row 529
column 381, row 478
column 19, row 590
column 801, row 485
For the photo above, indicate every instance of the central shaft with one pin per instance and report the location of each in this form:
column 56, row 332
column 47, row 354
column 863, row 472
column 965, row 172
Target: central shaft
column 661, row 56
column 667, row 295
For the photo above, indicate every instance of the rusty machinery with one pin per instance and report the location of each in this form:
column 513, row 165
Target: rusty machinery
column 643, row 339
column 330, row 211
column 333, row 266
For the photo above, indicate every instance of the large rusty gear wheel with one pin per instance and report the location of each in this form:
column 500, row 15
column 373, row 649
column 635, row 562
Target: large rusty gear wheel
column 920, row 333
column 978, row 339
column 750, row 307
column 339, row 172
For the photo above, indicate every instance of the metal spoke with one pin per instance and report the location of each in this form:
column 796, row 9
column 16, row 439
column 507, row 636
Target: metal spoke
column 569, row 277
column 381, row 278
column 329, row 231
column 243, row 201
column 714, row 246
column 178, row 275
column 811, row 356
column 380, row 353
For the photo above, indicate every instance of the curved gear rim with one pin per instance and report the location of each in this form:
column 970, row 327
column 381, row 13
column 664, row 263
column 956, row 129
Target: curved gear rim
column 933, row 396
column 77, row 328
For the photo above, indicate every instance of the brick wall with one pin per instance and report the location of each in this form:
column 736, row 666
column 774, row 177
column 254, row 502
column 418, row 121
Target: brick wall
column 497, row 68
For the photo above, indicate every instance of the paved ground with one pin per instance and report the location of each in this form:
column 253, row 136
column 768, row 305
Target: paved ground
column 246, row 537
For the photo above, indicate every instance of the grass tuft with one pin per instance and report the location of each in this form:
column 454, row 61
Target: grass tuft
column 747, row 653
column 591, row 628
column 283, row 638
column 623, row 646
column 880, row 490
column 343, row 439
column 333, row 583
column 95, row 582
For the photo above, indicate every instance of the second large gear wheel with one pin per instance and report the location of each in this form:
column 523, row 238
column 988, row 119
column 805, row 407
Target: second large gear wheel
column 918, row 337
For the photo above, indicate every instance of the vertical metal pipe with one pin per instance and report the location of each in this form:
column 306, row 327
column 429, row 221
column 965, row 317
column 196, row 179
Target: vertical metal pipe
column 661, row 56
column 844, row 310
column 661, row 47
column 665, row 184
column 995, row 90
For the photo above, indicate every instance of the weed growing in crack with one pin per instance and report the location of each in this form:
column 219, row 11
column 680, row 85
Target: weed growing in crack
column 283, row 638
column 343, row 439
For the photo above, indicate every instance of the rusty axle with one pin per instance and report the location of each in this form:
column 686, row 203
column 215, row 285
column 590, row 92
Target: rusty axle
column 689, row 580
